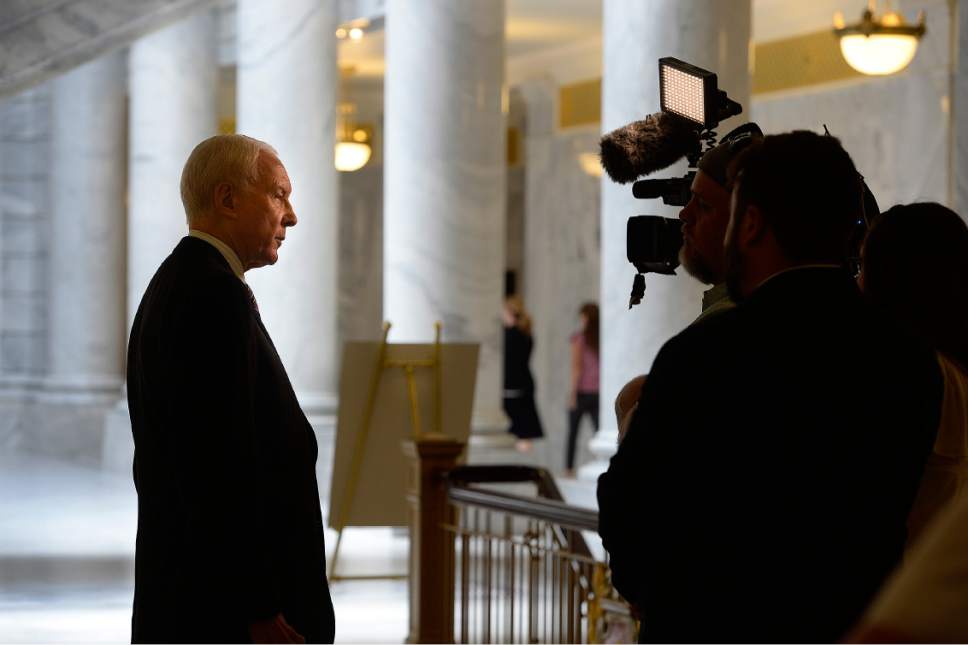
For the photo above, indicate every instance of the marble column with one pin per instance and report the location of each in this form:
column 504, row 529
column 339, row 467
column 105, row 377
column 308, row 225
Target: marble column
column 86, row 328
column 444, row 187
column 712, row 35
column 172, row 85
column 24, row 223
column 286, row 96
column 561, row 253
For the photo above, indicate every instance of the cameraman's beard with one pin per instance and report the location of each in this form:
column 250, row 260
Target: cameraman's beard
column 695, row 266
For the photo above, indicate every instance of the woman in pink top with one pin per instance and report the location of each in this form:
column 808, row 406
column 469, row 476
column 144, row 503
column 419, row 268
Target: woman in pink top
column 584, row 379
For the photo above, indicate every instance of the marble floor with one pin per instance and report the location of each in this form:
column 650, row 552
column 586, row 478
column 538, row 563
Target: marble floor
column 66, row 559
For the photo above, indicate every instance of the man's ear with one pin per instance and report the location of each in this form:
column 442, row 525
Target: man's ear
column 753, row 227
column 225, row 200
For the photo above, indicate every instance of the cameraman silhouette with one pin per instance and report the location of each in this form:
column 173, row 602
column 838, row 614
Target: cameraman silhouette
column 762, row 490
column 704, row 220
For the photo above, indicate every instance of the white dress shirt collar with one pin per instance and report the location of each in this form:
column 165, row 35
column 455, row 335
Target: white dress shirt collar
column 224, row 249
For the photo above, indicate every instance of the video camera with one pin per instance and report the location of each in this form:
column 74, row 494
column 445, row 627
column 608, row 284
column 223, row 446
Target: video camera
column 692, row 107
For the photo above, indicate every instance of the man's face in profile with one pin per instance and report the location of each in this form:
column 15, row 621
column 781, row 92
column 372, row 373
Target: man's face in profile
column 704, row 221
column 265, row 212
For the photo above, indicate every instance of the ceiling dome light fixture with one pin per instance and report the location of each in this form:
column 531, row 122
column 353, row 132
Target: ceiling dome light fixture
column 351, row 155
column 352, row 149
column 354, row 30
column 878, row 46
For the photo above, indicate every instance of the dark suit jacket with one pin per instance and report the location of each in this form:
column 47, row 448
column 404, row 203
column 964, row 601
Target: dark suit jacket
column 762, row 490
column 229, row 522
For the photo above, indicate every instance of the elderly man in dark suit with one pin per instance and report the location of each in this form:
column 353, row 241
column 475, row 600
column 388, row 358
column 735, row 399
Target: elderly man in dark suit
column 762, row 490
column 230, row 535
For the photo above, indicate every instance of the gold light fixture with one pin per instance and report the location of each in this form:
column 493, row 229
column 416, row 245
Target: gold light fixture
column 354, row 30
column 352, row 141
column 878, row 46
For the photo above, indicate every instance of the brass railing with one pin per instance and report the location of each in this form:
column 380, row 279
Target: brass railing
column 496, row 555
column 521, row 575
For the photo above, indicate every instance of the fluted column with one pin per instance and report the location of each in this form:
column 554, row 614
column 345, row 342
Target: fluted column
column 286, row 96
column 86, row 328
column 712, row 35
column 172, row 86
column 172, row 83
column 444, row 187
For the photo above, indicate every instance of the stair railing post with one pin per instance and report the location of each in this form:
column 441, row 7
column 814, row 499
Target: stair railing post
column 431, row 566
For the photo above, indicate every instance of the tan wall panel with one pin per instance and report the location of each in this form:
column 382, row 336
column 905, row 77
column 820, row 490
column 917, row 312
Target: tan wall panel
column 580, row 103
column 800, row 61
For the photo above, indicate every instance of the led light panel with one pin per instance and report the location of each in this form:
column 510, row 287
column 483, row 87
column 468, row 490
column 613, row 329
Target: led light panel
column 686, row 90
column 684, row 95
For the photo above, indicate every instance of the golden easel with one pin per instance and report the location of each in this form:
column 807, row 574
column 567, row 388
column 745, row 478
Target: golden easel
column 409, row 367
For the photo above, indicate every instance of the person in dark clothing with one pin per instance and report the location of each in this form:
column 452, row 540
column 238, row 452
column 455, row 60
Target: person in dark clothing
column 230, row 535
column 762, row 490
column 518, row 382
column 915, row 271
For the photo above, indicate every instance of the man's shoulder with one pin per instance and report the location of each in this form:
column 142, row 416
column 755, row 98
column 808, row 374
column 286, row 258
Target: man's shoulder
column 198, row 261
column 195, row 279
column 707, row 331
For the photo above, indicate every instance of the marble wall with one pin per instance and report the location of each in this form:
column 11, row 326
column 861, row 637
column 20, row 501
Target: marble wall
column 895, row 128
column 24, row 221
column 24, row 218
column 959, row 137
column 361, row 222
column 561, row 259
column 361, row 254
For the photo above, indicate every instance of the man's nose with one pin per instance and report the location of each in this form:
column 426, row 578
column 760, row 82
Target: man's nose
column 685, row 213
column 290, row 218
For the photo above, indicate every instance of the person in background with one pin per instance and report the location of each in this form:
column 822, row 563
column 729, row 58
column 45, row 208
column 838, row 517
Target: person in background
column 583, row 398
column 915, row 270
column 518, row 382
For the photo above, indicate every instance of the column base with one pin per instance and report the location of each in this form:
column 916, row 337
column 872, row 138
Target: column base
column 82, row 389
column 319, row 407
column 324, row 427
column 322, row 409
column 61, row 418
column 117, row 451
column 118, row 445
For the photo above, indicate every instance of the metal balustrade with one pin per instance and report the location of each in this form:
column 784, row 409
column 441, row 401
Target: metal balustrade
column 520, row 568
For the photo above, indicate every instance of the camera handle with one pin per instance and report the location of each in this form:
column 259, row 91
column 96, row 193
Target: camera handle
column 638, row 290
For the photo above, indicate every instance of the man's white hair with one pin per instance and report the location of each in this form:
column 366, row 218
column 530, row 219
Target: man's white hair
column 224, row 158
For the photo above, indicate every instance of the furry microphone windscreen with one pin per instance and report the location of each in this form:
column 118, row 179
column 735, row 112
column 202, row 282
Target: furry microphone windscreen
column 643, row 147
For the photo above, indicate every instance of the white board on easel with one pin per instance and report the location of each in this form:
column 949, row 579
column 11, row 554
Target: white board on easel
column 378, row 497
